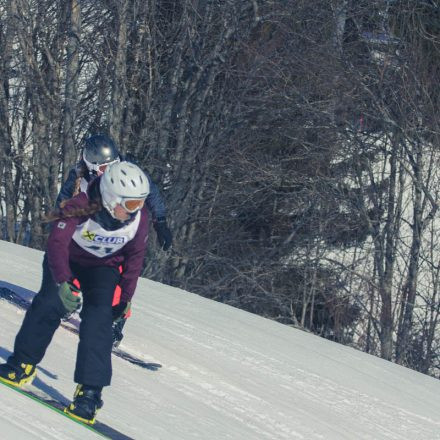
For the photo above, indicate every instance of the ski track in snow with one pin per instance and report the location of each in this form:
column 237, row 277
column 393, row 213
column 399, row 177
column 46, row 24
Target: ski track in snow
column 249, row 408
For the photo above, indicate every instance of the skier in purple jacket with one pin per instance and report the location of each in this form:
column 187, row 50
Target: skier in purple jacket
column 99, row 151
column 92, row 235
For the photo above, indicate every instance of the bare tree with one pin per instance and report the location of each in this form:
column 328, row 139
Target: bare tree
column 71, row 93
column 295, row 143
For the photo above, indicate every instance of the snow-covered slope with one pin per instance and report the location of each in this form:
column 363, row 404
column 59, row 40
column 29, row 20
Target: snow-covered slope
column 225, row 374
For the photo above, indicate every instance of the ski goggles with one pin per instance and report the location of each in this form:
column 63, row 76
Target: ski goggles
column 132, row 205
column 99, row 169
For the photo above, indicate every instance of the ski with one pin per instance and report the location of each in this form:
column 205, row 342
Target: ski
column 39, row 396
column 12, row 297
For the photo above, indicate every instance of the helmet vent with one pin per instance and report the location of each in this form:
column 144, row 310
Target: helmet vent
column 123, row 172
column 133, row 183
column 122, row 183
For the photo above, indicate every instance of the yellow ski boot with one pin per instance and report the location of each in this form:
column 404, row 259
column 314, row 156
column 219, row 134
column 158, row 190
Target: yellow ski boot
column 85, row 405
column 17, row 375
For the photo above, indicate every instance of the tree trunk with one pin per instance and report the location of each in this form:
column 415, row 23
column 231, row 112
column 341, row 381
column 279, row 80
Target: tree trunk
column 119, row 86
column 71, row 86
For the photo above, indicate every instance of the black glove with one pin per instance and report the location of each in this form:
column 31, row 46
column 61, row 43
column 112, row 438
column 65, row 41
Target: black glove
column 164, row 236
column 117, row 331
column 121, row 311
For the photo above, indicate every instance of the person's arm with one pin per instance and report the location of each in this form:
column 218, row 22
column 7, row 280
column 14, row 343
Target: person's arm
column 59, row 241
column 134, row 252
column 68, row 187
column 157, row 207
column 155, row 202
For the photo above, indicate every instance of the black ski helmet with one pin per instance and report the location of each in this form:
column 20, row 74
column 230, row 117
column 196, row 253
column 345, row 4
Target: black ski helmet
column 98, row 150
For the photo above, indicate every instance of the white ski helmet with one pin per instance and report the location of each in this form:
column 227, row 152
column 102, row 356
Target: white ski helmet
column 126, row 184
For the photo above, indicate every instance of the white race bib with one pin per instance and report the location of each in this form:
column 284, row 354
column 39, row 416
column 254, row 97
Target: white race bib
column 93, row 238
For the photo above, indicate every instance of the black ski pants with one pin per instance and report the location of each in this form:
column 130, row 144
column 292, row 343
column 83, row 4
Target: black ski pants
column 93, row 361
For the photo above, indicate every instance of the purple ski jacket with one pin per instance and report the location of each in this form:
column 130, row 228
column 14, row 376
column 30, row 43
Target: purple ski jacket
column 61, row 249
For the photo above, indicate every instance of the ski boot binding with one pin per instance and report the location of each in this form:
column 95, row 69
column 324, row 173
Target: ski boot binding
column 17, row 375
column 85, row 405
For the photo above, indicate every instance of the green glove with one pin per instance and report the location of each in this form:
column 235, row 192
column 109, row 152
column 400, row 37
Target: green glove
column 71, row 297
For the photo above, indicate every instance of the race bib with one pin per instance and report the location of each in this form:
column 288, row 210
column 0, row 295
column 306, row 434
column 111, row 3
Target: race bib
column 94, row 239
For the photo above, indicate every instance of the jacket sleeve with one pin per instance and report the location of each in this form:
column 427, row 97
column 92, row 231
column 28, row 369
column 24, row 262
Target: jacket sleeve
column 66, row 191
column 59, row 240
column 155, row 202
column 134, row 253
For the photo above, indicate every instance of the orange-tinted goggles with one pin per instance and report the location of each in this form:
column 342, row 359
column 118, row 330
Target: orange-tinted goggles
column 132, row 205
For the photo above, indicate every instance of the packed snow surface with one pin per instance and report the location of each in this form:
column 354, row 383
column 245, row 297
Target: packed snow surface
column 224, row 374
